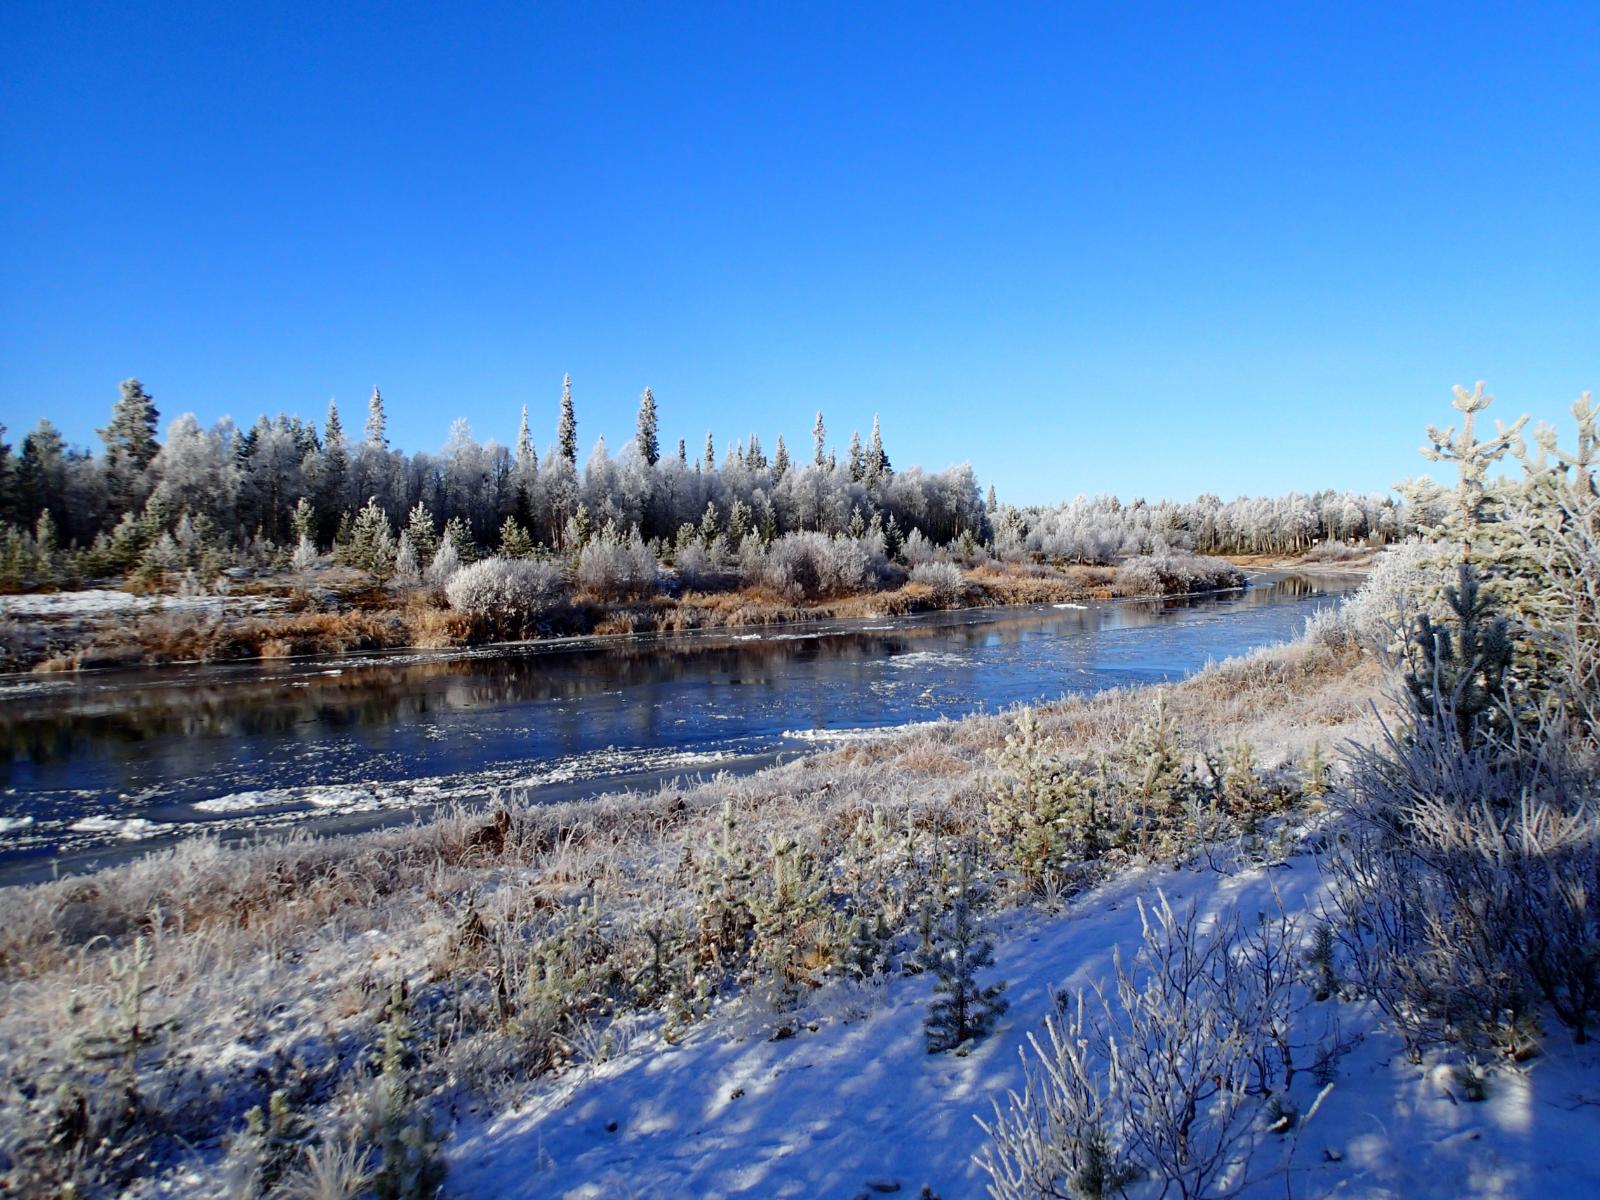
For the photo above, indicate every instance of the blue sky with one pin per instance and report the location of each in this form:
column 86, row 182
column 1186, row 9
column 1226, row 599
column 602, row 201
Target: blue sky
column 1154, row 250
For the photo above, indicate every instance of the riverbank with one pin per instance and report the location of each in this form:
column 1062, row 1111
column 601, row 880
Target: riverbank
column 519, row 940
column 338, row 610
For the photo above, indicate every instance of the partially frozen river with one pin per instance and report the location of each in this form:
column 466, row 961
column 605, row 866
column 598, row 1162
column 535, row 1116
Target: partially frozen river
column 95, row 766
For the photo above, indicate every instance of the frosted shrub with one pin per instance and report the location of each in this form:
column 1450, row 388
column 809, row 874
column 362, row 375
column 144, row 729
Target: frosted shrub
column 507, row 596
column 704, row 568
column 1175, row 574
column 446, row 562
column 1161, row 1076
column 944, row 580
column 616, row 568
column 917, row 549
column 1465, row 887
column 814, row 566
column 1407, row 580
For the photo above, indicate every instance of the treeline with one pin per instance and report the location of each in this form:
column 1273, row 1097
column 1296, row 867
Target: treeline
column 207, row 498
column 1103, row 529
column 251, row 495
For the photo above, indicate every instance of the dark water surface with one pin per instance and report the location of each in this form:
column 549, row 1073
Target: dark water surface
column 96, row 766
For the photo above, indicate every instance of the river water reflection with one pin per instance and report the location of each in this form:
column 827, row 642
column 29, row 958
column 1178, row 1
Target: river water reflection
column 131, row 759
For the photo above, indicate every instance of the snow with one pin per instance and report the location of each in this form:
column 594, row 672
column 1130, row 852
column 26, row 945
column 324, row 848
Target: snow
column 872, row 734
column 857, row 1103
column 106, row 602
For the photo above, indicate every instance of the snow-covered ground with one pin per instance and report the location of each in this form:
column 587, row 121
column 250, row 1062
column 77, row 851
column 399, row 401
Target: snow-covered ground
column 857, row 1107
column 107, row 602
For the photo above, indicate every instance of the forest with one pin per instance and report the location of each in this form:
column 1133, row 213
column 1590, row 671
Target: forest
column 204, row 499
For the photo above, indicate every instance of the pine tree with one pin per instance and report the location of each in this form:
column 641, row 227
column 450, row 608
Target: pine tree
column 527, row 456
column 335, row 469
column 567, row 427
column 419, row 528
column 645, row 439
column 962, row 1009
column 514, row 540
column 376, row 433
column 1461, row 672
column 877, row 467
column 819, row 437
column 304, row 521
column 683, row 452
column 710, row 525
column 780, row 461
column 130, row 441
column 1472, row 457
column 372, row 545
column 991, row 505
column 858, row 460
column 711, row 454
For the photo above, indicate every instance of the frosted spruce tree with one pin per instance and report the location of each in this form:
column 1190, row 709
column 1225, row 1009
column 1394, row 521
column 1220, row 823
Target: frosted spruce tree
column 130, row 441
column 646, row 439
column 962, row 1008
column 780, row 461
column 377, row 424
column 819, row 439
column 567, row 427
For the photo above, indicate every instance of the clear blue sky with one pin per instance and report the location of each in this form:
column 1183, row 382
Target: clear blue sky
column 1150, row 250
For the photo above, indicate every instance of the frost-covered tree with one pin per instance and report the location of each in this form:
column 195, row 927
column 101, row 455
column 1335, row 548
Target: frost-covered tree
column 377, row 431
column 646, row 439
column 819, row 440
column 567, row 426
column 131, row 446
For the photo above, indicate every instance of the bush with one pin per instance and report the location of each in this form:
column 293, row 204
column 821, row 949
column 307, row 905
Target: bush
column 506, row 596
column 1407, row 580
column 814, row 566
column 1169, row 574
column 613, row 568
column 944, row 580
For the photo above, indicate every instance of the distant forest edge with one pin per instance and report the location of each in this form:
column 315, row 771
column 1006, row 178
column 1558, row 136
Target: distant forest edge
column 205, row 500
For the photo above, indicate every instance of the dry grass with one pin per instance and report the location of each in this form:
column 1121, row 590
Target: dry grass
column 289, row 945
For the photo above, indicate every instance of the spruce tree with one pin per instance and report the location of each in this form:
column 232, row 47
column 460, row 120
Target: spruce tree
column 819, row 437
column 683, row 452
column 991, row 505
column 877, row 461
column 335, row 469
column 527, row 456
column 780, row 461
column 372, row 545
column 567, row 427
column 514, row 540
column 962, row 1009
column 858, row 459
column 711, row 454
column 376, row 422
column 646, row 439
column 130, row 441
column 419, row 528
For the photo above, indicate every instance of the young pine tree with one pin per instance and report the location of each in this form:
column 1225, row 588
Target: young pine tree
column 962, row 1008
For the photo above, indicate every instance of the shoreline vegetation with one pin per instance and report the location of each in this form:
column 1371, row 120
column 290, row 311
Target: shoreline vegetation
column 334, row 610
column 286, row 538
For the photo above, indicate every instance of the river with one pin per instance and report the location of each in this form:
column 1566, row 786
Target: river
column 97, row 766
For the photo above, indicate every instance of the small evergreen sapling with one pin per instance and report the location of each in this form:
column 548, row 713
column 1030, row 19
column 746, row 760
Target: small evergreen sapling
column 962, row 1008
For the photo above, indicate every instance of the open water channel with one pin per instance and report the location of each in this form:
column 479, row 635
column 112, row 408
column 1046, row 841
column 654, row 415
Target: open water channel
column 96, row 766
